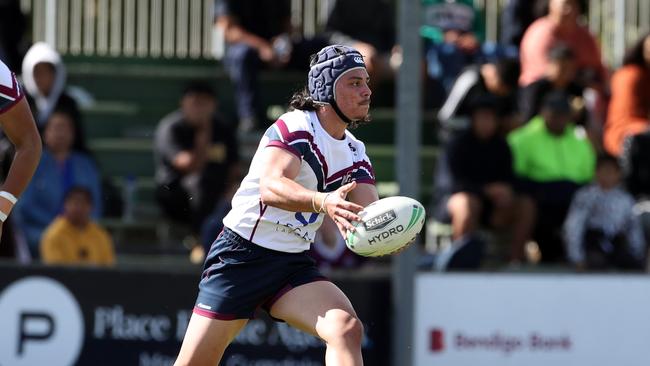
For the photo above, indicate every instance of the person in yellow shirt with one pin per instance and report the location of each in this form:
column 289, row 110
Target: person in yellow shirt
column 73, row 238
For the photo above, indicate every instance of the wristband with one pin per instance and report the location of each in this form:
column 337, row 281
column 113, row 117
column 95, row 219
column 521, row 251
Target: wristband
column 3, row 216
column 322, row 203
column 313, row 202
column 9, row 197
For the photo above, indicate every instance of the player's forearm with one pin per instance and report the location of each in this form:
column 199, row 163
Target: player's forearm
column 284, row 193
column 28, row 154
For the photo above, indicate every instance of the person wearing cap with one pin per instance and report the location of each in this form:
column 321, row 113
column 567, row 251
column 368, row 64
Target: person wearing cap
column 552, row 159
column 307, row 166
column 19, row 126
column 196, row 156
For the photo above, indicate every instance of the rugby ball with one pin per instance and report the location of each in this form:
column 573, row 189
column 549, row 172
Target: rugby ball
column 386, row 226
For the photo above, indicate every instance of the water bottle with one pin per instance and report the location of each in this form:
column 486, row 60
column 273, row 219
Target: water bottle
column 128, row 196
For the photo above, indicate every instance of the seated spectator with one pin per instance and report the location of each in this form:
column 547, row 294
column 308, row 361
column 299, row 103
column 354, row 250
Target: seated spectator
column 330, row 251
column 560, row 76
column 629, row 108
column 74, row 237
column 497, row 79
column 64, row 164
column 372, row 33
column 479, row 189
column 454, row 34
column 601, row 231
column 196, row 155
column 561, row 24
column 258, row 34
column 552, row 159
column 44, row 76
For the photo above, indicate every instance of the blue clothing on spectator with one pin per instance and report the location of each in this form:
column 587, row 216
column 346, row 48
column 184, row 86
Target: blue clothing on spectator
column 42, row 201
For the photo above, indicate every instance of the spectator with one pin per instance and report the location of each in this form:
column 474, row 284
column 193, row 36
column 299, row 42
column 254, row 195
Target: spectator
column 330, row 251
column 73, row 237
column 44, row 76
column 552, row 159
column 62, row 166
column 601, row 230
column 258, row 34
column 372, row 33
column 497, row 79
column 196, row 155
column 560, row 76
column 561, row 25
column 480, row 186
column 629, row 109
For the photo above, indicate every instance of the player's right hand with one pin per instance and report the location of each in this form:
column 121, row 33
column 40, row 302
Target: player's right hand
column 341, row 211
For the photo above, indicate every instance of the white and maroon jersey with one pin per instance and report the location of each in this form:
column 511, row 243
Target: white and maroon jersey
column 325, row 164
column 10, row 91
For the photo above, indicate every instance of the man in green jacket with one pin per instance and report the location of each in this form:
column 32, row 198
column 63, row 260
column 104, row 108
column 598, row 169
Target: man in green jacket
column 552, row 159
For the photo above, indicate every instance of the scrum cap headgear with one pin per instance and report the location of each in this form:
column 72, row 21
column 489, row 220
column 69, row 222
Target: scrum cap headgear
column 327, row 66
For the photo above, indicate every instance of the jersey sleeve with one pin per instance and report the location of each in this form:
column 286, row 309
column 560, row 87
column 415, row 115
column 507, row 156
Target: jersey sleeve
column 295, row 139
column 362, row 171
column 10, row 90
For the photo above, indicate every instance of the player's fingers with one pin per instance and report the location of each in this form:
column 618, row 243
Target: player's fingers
column 348, row 215
column 351, row 206
column 344, row 222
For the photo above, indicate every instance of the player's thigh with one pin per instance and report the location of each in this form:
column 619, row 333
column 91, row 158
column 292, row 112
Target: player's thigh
column 311, row 307
column 206, row 339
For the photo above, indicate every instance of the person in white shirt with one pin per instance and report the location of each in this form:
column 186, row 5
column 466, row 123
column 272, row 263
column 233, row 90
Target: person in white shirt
column 307, row 165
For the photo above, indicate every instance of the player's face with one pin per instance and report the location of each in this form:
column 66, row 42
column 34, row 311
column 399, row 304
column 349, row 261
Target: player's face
column 59, row 133
column 353, row 94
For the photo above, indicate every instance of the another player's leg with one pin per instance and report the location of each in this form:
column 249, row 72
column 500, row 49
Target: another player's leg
column 322, row 309
column 206, row 339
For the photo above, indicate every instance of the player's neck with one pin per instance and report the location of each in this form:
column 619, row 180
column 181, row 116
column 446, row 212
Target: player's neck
column 331, row 122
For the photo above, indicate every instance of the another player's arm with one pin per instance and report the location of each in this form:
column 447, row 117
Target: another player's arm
column 278, row 189
column 18, row 124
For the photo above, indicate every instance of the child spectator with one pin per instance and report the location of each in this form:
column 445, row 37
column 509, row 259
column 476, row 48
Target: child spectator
column 552, row 159
column 601, row 231
column 62, row 166
column 73, row 237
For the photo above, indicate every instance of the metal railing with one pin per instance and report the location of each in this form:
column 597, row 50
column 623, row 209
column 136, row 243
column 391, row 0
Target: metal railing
column 184, row 28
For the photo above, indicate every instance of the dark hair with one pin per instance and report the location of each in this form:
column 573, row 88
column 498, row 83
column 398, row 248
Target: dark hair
column 199, row 87
column 508, row 70
column 560, row 52
column 78, row 136
column 84, row 191
column 605, row 158
column 634, row 54
column 557, row 102
column 302, row 101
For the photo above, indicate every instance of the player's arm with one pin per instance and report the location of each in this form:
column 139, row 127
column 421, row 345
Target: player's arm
column 278, row 189
column 364, row 194
column 18, row 124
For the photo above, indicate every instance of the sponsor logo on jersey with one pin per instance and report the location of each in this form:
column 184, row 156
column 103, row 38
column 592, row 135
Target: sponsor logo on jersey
column 380, row 221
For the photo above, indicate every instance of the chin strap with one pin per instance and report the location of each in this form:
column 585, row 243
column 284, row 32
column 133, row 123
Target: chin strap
column 340, row 114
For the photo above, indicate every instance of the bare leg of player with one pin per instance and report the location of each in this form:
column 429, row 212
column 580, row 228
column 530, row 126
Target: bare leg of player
column 206, row 339
column 322, row 309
